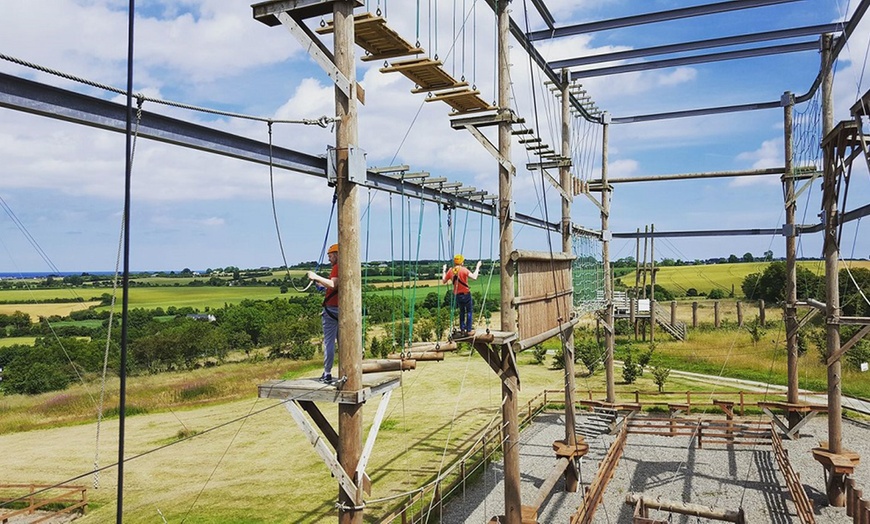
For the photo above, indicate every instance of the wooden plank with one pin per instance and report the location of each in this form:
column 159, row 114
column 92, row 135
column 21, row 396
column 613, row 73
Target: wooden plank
column 373, row 35
column 320, row 447
column 541, row 298
column 322, row 424
column 425, row 73
column 373, row 435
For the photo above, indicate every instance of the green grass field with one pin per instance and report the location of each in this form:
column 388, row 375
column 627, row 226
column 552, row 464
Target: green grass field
column 677, row 279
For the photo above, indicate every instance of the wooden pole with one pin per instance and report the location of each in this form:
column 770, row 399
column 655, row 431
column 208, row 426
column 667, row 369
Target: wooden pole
column 739, row 314
column 836, row 487
column 605, row 252
column 636, row 286
column 694, row 314
column 716, row 320
column 673, row 312
column 791, row 321
column 571, row 478
column 350, row 416
column 761, row 320
column 645, row 267
column 510, row 382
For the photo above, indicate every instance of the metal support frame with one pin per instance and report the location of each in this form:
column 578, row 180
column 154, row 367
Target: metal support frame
column 43, row 100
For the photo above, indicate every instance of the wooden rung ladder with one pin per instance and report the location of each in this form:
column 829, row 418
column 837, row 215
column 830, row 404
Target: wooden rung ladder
column 379, row 41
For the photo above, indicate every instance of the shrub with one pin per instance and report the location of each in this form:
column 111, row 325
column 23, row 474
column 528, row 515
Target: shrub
column 539, row 354
column 716, row 294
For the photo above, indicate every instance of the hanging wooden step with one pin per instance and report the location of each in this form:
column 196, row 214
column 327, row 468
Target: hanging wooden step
column 463, row 100
column 529, row 140
column 426, row 73
column 379, row 41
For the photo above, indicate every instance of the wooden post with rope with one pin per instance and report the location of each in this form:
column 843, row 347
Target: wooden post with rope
column 605, row 253
column 510, row 377
column 790, row 232
column 572, row 479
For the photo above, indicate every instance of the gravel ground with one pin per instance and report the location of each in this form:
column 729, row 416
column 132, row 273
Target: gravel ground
column 672, row 468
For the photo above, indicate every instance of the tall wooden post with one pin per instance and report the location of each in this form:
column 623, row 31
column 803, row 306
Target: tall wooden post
column 350, row 416
column 605, row 252
column 739, row 314
column 510, row 382
column 836, row 485
column 571, row 478
column 694, row 314
column 790, row 232
column 673, row 312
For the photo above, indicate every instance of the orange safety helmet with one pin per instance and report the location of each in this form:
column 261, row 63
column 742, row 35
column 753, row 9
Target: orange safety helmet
column 458, row 259
column 332, row 249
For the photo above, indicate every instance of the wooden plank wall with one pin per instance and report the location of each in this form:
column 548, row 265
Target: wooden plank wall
column 544, row 292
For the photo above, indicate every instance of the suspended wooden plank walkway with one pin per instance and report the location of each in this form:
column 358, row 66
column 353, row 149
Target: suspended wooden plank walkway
column 463, row 100
column 379, row 41
column 426, row 73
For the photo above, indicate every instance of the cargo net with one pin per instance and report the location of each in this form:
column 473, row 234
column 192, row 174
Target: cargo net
column 588, row 274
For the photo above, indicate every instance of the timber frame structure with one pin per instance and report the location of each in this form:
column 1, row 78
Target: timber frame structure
column 541, row 309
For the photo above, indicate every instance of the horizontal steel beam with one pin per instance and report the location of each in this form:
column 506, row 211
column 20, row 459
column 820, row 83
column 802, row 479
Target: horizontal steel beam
column 696, row 112
column 696, row 45
column 43, row 100
column 697, row 59
column 855, row 214
column 648, row 18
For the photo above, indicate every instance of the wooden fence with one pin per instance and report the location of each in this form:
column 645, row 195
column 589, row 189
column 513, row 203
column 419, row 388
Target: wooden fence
column 52, row 499
column 856, row 507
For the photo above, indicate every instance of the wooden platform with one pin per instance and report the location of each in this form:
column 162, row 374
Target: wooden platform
column 426, row 73
column 379, row 41
column 844, row 462
column 311, row 389
column 266, row 12
column 805, row 411
column 493, row 337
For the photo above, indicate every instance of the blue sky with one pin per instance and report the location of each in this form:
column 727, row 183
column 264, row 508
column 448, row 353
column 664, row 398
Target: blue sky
column 64, row 182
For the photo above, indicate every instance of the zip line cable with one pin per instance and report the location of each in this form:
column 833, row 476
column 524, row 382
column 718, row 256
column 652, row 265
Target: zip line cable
column 323, row 121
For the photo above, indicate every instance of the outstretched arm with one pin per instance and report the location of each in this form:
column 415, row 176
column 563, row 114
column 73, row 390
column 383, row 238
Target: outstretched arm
column 473, row 274
column 445, row 277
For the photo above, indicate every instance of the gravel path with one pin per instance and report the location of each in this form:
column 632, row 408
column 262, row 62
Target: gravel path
column 672, row 468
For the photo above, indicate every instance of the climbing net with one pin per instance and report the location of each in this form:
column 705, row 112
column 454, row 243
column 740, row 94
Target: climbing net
column 588, row 274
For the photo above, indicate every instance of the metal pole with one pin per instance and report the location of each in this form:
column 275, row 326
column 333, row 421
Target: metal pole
column 571, row 479
column 652, row 285
column 836, row 485
column 790, row 257
column 510, row 382
column 605, row 253
column 350, row 416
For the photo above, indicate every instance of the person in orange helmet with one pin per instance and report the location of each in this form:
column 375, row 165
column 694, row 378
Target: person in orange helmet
column 460, row 274
column 329, row 317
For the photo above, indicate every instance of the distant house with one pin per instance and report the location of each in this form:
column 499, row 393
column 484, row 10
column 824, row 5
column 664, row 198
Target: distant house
column 202, row 316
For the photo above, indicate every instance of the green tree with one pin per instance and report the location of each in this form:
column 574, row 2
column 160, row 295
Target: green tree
column 630, row 370
column 747, row 257
column 660, row 375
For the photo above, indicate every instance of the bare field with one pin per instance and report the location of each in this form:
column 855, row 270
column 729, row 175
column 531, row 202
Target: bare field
column 46, row 310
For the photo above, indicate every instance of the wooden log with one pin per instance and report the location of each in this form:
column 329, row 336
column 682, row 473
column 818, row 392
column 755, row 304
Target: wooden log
column 381, row 365
column 694, row 314
column 683, row 508
column 739, row 314
column 539, row 256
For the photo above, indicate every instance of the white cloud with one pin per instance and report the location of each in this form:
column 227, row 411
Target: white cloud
column 769, row 154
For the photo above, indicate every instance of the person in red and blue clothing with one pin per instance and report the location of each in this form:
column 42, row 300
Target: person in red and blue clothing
column 459, row 275
column 329, row 318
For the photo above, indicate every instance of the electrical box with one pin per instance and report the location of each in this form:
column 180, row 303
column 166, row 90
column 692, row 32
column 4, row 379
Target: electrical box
column 790, row 230
column 606, row 235
column 356, row 160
